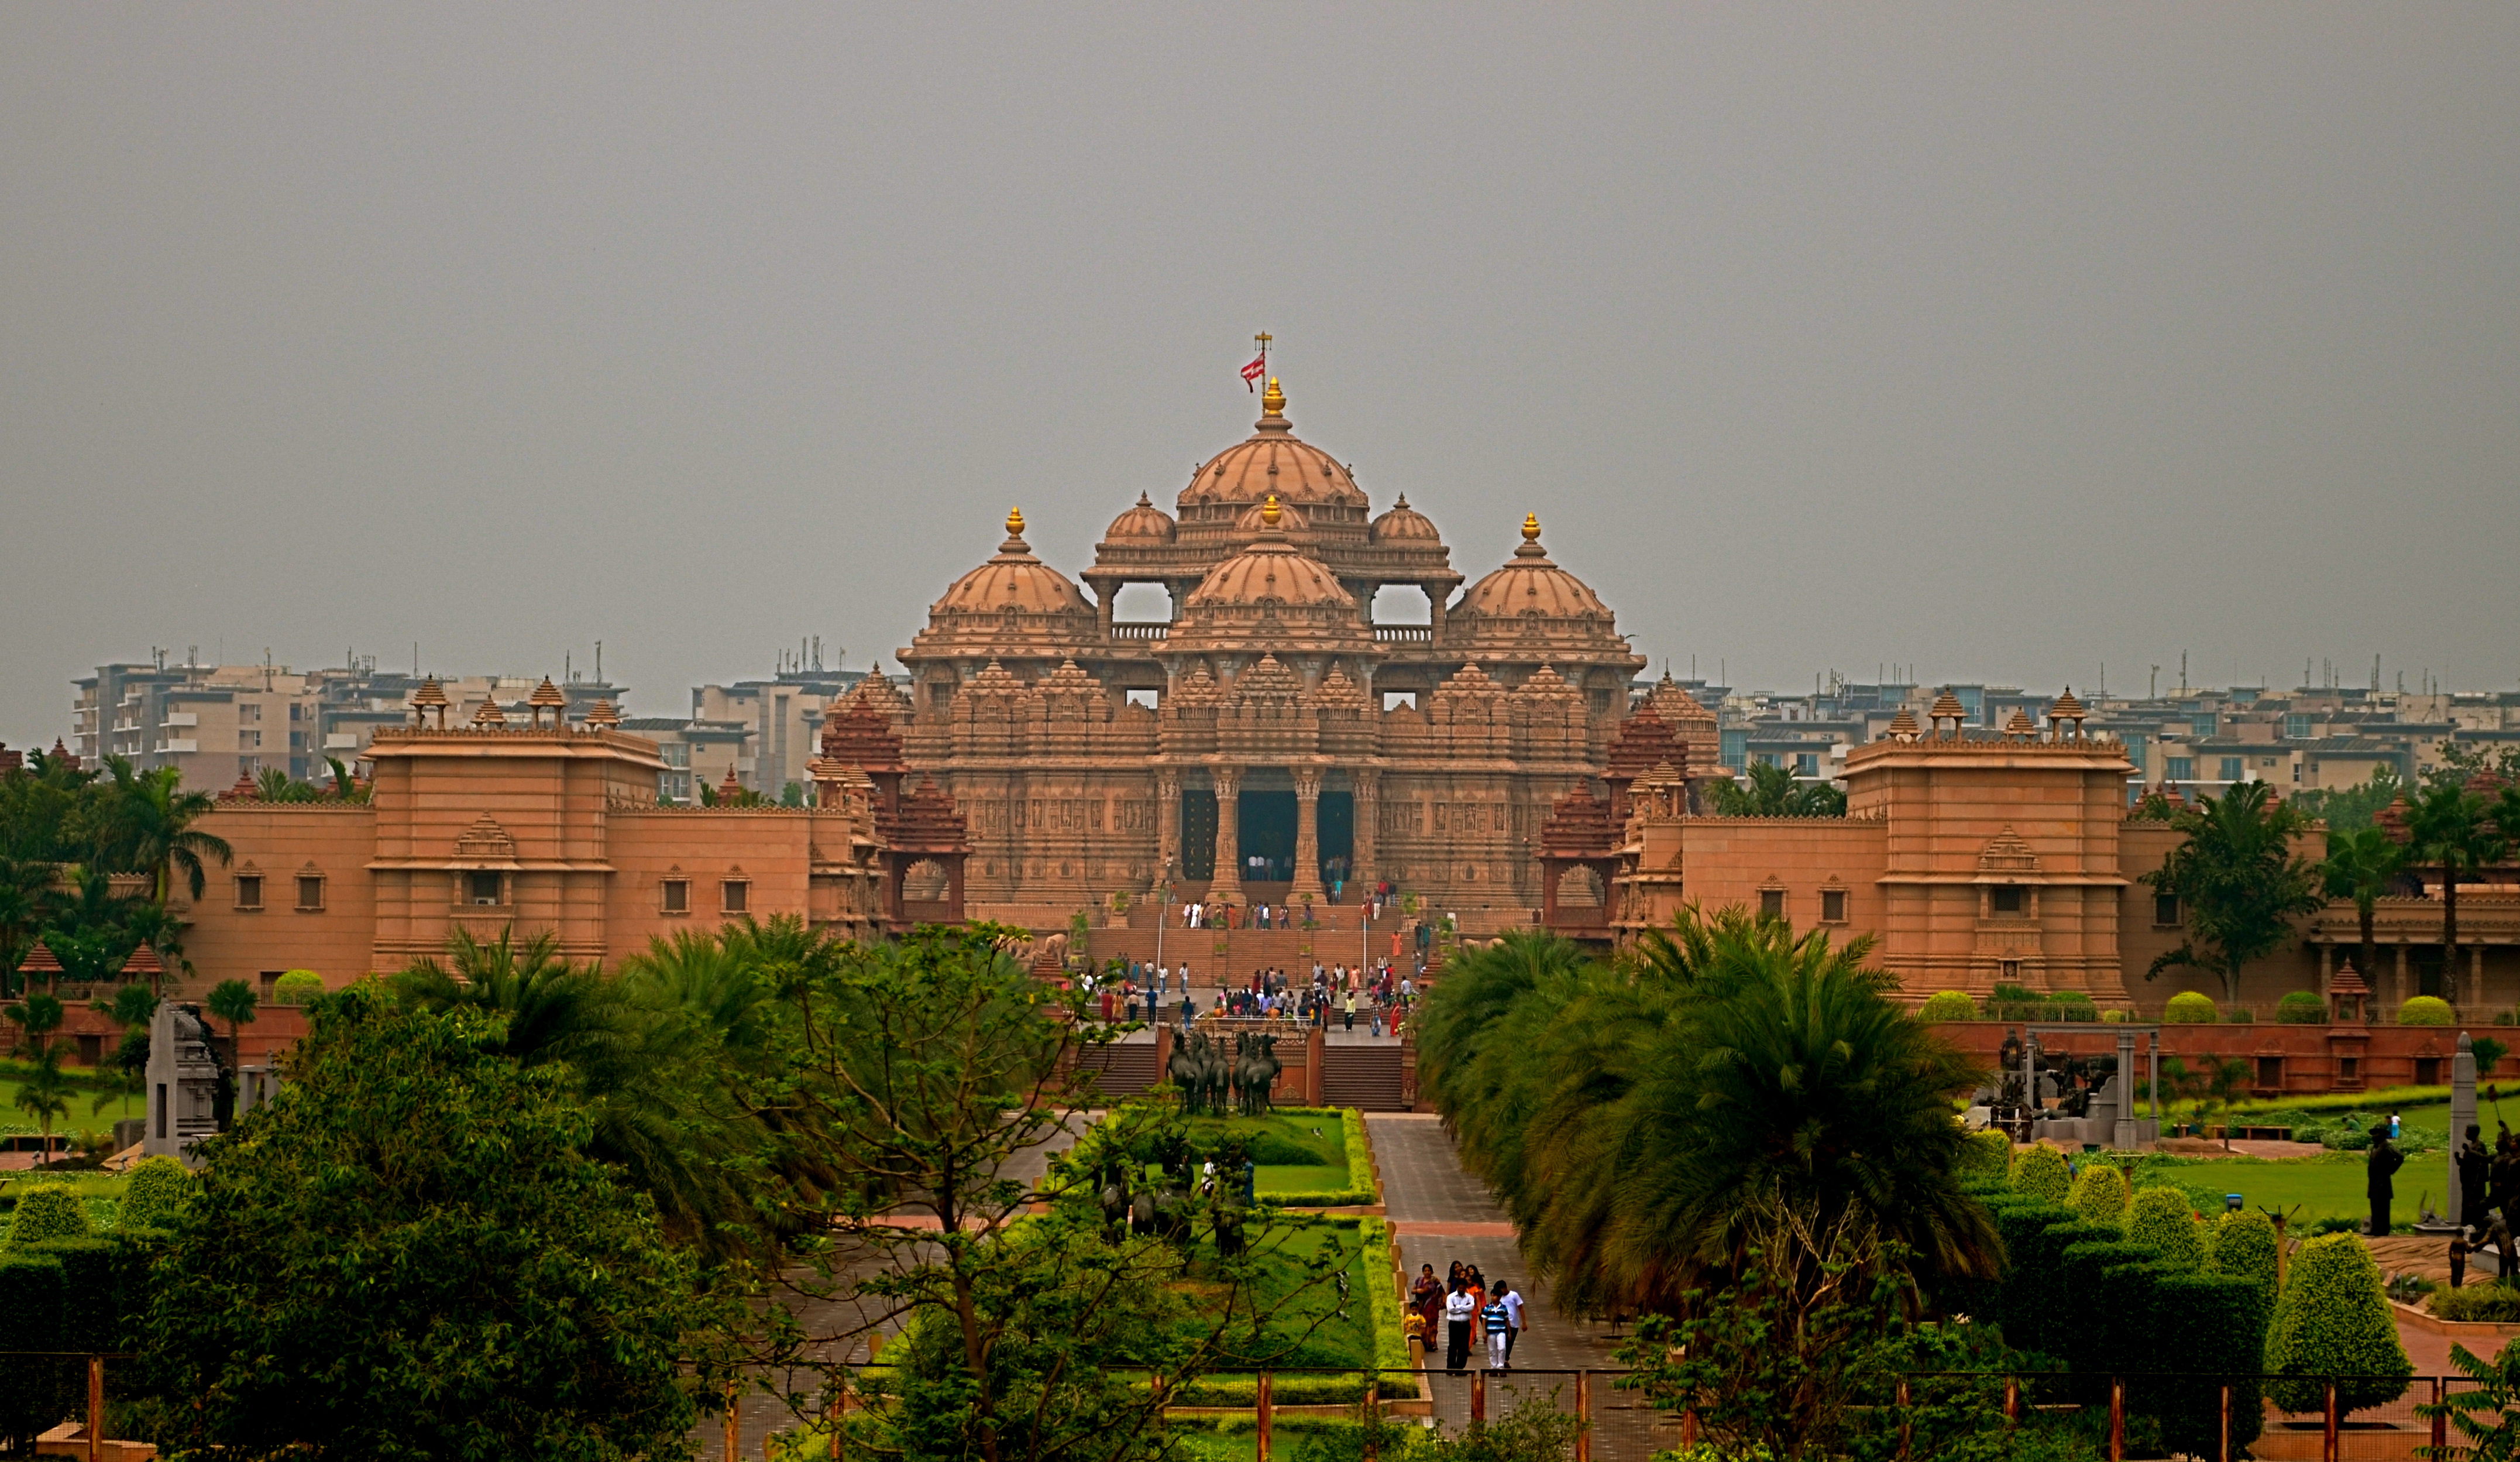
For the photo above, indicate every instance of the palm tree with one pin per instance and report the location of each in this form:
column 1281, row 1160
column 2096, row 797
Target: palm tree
column 37, row 1018
column 2362, row 865
column 2239, row 883
column 147, row 827
column 23, row 887
column 2451, row 828
column 554, row 1010
column 233, row 1001
column 44, row 1094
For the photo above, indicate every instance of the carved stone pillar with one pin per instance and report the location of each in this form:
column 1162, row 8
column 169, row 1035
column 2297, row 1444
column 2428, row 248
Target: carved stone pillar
column 1367, row 820
column 1308, row 835
column 1167, row 824
column 1227, row 885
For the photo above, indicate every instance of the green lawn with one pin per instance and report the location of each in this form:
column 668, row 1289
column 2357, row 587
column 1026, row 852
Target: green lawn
column 82, row 1115
column 1324, row 1158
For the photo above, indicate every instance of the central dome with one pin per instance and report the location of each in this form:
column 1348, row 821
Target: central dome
column 1273, row 461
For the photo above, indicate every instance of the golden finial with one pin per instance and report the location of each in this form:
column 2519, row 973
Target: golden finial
column 1530, row 528
column 1272, row 401
column 1015, row 522
column 1270, row 512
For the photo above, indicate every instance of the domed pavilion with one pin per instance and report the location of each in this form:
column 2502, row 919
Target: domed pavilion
column 1267, row 739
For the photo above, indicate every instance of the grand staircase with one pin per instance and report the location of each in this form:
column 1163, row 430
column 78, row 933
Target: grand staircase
column 1364, row 1077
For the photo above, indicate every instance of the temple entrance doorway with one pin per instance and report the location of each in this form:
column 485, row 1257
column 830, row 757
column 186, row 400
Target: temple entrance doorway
column 1265, row 826
column 1198, row 834
column 1338, row 828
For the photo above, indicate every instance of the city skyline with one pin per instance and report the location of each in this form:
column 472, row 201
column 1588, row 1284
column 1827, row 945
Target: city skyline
column 1819, row 338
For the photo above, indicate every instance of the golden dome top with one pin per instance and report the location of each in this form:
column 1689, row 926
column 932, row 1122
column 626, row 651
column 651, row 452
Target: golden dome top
column 1530, row 528
column 1270, row 512
column 1272, row 401
column 1015, row 522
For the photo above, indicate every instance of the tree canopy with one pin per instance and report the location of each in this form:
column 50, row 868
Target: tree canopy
column 2238, row 882
column 1773, row 791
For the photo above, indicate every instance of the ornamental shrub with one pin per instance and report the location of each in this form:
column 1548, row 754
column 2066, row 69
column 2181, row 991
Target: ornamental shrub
column 2097, row 1325
column 34, row 1393
column 2424, row 1010
column 2244, row 1248
column 2030, row 1291
column 2161, row 1219
column 2212, row 1326
column 49, row 1211
column 2492, row 1303
column 1984, row 1155
column 2302, row 1008
column 157, row 1193
column 2332, row 1320
column 2190, row 1008
column 2099, row 1195
column 1947, row 1005
column 297, row 987
column 2039, row 1170
column 90, row 1277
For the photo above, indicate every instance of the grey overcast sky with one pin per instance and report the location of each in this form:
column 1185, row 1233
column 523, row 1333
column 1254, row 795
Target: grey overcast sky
column 2002, row 340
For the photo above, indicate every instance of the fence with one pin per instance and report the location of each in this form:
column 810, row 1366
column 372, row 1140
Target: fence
column 2218, row 1418
column 28, row 1366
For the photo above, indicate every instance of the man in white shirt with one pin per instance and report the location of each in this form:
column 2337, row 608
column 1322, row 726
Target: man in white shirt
column 1461, row 1309
column 1514, row 1322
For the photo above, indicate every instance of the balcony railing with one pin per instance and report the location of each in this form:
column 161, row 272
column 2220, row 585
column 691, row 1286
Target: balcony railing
column 1141, row 631
column 1404, row 634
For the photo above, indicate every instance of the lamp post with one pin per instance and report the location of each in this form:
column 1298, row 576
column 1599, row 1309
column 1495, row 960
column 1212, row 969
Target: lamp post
column 1163, row 910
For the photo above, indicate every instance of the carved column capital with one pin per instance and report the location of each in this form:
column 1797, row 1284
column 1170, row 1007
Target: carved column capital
column 1308, row 783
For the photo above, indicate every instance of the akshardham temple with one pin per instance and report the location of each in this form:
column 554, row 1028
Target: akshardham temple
column 1269, row 741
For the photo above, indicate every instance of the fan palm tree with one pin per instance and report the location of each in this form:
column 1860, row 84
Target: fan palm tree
column 233, row 1001
column 44, row 1094
column 1775, row 793
column 148, row 828
column 2453, row 829
column 2362, row 865
column 37, row 1018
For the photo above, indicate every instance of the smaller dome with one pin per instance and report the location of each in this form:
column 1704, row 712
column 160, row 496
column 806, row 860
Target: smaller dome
column 1013, row 579
column 1404, row 524
column 1270, row 572
column 1531, row 584
column 1143, row 524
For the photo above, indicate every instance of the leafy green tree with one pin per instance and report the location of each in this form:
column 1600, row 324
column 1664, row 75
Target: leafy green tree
column 409, row 1254
column 2363, row 865
column 923, row 1074
column 1773, row 791
column 2238, row 882
column 146, row 825
column 2350, row 809
column 2214, row 1087
column 2453, row 830
column 2486, row 1414
column 37, row 1018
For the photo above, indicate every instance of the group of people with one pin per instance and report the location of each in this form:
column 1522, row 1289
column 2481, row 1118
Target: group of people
column 1337, row 993
column 1198, row 913
column 1468, row 1314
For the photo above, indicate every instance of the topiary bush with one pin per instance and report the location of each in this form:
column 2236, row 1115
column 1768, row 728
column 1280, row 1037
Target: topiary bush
column 2214, row 1326
column 2424, row 1010
column 2029, row 1302
column 2302, row 1008
column 2190, row 1008
column 297, row 987
column 1947, row 1005
column 2332, row 1320
column 155, row 1194
column 1986, row 1154
column 2039, row 1170
column 48, row 1212
column 2095, row 1320
column 2099, row 1195
column 2160, row 1218
column 2243, row 1246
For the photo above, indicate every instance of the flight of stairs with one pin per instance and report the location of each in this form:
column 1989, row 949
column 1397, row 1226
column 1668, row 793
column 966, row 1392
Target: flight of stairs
column 1126, row 1068
column 1365, row 1077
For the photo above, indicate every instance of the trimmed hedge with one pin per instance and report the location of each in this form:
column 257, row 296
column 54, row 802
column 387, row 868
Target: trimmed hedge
column 50, row 1211
column 297, row 987
column 2332, row 1320
column 2160, row 1218
column 1362, row 1191
column 2207, row 1327
column 2099, row 1195
column 1985, row 1155
column 34, row 1395
column 2190, row 1008
column 2026, row 1299
column 158, row 1190
column 1947, row 1005
column 2095, row 1315
column 2492, row 1303
column 2039, row 1170
column 2425, row 1010
column 2302, row 1008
